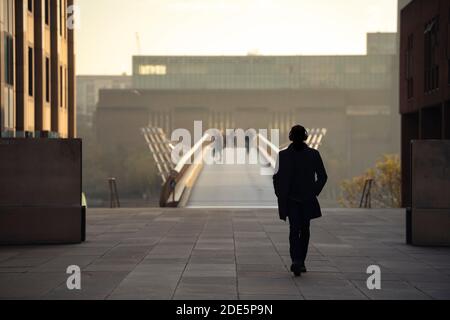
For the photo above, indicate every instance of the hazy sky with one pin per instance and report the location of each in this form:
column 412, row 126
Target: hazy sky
column 107, row 38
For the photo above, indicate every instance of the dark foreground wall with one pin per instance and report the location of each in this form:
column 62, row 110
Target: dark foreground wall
column 430, row 192
column 40, row 191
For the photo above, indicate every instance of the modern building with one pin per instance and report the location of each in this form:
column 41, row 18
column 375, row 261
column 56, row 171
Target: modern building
column 424, row 78
column 37, row 83
column 397, row 118
column 354, row 97
column 7, row 67
column 263, row 72
column 380, row 43
column 88, row 88
column 40, row 159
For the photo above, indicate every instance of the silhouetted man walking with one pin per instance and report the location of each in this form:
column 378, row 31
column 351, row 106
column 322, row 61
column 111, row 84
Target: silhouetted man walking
column 299, row 180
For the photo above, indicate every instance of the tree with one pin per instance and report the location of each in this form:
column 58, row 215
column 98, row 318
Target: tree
column 386, row 188
column 134, row 170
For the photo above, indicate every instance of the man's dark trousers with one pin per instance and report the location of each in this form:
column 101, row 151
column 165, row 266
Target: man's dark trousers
column 299, row 232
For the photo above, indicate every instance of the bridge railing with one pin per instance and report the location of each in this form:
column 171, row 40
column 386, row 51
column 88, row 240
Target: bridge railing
column 176, row 189
column 270, row 152
column 179, row 179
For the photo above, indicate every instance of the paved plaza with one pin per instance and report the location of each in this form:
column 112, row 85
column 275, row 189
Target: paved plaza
column 227, row 254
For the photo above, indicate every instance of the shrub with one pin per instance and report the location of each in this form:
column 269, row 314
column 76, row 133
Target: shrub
column 386, row 188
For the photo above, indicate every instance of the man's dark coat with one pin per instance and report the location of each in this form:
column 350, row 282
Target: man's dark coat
column 301, row 176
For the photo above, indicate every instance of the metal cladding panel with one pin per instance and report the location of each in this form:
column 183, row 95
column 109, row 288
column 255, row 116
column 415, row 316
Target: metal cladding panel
column 40, row 172
column 431, row 192
column 41, row 225
column 431, row 227
column 431, row 174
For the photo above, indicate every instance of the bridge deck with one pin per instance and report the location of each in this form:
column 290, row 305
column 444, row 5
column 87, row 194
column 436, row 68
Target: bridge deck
column 232, row 186
column 228, row 254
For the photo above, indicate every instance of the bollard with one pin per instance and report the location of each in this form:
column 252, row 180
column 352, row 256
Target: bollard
column 114, row 195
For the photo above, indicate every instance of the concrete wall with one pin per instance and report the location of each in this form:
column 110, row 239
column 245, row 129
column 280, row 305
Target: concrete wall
column 430, row 185
column 40, row 191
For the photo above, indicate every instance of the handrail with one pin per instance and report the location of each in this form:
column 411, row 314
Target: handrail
column 188, row 156
column 314, row 141
column 178, row 179
column 269, row 143
column 263, row 150
column 176, row 186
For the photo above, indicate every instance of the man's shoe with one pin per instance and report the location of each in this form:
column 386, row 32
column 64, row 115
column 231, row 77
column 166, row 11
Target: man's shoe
column 295, row 268
column 303, row 269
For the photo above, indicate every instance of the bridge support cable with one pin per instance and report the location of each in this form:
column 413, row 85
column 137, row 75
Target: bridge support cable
column 177, row 179
column 161, row 149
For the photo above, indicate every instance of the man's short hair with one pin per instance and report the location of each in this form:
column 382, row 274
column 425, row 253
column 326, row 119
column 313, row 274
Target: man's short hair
column 298, row 134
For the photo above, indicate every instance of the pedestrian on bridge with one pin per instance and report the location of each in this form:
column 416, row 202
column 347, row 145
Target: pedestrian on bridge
column 299, row 179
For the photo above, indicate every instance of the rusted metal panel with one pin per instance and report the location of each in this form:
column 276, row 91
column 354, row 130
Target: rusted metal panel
column 40, row 172
column 431, row 174
column 40, row 191
column 41, row 225
column 431, row 192
column 431, row 227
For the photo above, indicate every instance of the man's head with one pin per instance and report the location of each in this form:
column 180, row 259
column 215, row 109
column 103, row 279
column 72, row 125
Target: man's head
column 298, row 134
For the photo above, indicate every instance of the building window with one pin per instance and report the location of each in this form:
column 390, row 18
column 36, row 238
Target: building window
column 152, row 70
column 410, row 66
column 9, row 60
column 47, row 13
column 65, row 19
column 47, row 79
column 61, row 93
column 431, row 55
column 66, row 89
column 448, row 46
column 60, row 17
column 30, row 5
column 30, row 71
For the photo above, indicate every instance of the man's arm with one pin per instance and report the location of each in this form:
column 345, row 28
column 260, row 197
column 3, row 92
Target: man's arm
column 281, row 179
column 276, row 177
column 281, row 182
column 321, row 173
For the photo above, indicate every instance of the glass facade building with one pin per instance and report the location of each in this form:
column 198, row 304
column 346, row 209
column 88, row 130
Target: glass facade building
column 373, row 71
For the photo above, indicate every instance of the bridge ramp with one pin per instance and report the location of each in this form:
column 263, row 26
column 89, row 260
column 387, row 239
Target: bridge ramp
column 233, row 186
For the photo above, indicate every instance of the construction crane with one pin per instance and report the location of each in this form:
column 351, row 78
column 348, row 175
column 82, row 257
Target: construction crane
column 138, row 43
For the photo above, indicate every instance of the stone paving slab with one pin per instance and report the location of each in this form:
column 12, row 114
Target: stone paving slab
column 228, row 254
